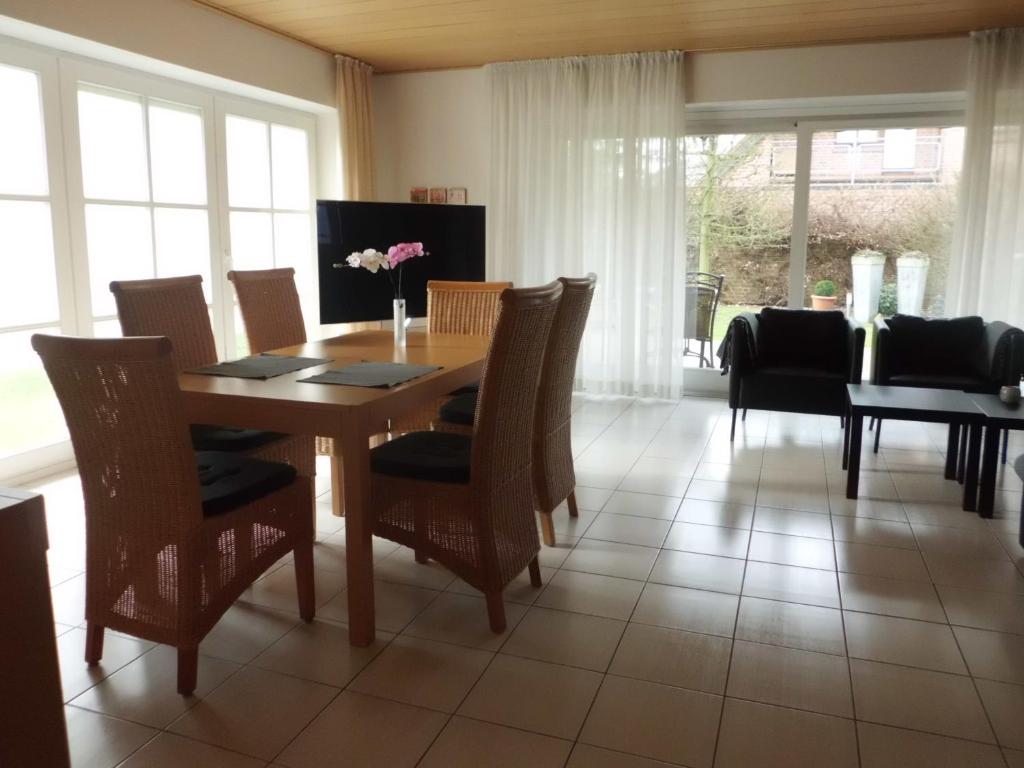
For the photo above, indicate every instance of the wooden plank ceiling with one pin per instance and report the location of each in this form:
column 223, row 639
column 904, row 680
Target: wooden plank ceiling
column 402, row 35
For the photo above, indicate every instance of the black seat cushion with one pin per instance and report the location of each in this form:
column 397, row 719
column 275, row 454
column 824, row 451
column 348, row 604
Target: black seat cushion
column 803, row 338
column 936, row 381
column 944, row 346
column 208, row 437
column 798, row 390
column 228, row 481
column 460, row 410
column 474, row 387
column 440, row 457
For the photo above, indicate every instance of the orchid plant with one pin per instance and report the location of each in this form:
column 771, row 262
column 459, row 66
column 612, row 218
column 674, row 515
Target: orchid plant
column 373, row 260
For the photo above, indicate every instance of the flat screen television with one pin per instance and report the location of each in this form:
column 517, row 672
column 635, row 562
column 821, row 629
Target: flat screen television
column 453, row 236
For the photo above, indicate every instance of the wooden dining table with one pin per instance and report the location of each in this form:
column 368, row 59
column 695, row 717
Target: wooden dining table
column 349, row 415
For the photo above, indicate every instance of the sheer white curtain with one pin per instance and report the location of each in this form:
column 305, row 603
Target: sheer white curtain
column 987, row 262
column 587, row 161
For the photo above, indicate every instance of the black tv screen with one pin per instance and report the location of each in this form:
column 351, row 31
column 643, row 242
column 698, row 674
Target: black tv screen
column 453, row 236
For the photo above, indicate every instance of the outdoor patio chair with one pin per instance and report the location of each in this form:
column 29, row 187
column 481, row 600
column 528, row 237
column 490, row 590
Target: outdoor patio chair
column 703, row 291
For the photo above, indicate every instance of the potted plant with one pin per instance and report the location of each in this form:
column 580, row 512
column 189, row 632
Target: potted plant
column 911, row 278
column 824, row 296
column 868, row 266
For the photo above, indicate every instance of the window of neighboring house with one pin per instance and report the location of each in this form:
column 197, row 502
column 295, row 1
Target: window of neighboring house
column 862, row 136
column 144, row 185
column 899, row 151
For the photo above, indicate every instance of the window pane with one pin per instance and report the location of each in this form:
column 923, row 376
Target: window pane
column 120, row 245
column 178, row 154
column 107, row 329
column 183, row 244
column 252, row 241
column 22, row 144
column 29, row 411
column 248, row 163
column 291, row 167
column 292, row 248
column 28, row 294
column 113, row 146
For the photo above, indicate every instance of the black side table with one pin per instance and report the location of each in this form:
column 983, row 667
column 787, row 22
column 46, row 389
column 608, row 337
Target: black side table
column 998, row 416
column 942, row 406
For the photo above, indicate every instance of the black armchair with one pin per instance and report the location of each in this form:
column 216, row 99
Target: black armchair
column 793, row 360
column 963, row 353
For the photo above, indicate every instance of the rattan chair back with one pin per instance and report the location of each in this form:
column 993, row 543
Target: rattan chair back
column 174, row 307
column 463, row 307
column 553, row 475
column 270, row 308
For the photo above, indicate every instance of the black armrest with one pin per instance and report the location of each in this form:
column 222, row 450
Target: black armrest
column 855, row 343
column 1003, row 355
column 743, row 352
column 880, row 363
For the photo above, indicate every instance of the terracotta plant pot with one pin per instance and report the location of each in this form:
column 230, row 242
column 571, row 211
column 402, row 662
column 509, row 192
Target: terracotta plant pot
column 823, row 302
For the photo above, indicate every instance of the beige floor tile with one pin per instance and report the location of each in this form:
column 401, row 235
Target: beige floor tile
column 793, row 522
column 971, row 573
column 695, row 610
column 865, row 530
column 999, row 612
column 422, row 673
column 949, row 515
column 586, row 756
column 799, row 496
column 572, row 527
column 1004, row 703
column 792, row 550
column 277, row 590
column 254, row 712
column 145, row 691
column 98, row 741
column 68, row 600
column 805, row 627
column 903, row 641
column 395, row 605
column 609, row 558
column 519, row 590
column 533, row 696
column 170, row 751
column 918, row 699
column 891, row 597
column 992, row 655
column 589, row 593
column 730, row 493
column 885, row 562
column 245, row 631
column 976, row 543
column 792, row 584
column 401, row 567
column 561, row 637
column 364, row 731
column 321, row 652
column 717, row 513
column 690, row 569
column 628, row 529
column 470, row 743
column 643, row 505
column 708, row 539
column 816, row 682
column 760, row 735
column 877, row 509
column 462, row 620
column 76, row 676
column 726, row 473
column 673, row 657
column 654, row 721
column 553, row 557
column 882, row 746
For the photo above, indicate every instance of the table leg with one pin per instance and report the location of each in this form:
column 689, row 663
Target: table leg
column 989, row 467
column 961, row 459
column 856, row 422
column 846, row 440
column 971, row 470
column 355, row 451
column 337, row 486
column 952, row 447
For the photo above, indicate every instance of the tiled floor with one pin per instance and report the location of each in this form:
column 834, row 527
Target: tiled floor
column 713, row 605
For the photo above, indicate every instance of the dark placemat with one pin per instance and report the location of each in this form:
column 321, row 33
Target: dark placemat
column 260, row 366
column 381, row 375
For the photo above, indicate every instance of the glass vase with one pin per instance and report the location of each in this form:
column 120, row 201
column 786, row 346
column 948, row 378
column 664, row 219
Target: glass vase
column 398, row 313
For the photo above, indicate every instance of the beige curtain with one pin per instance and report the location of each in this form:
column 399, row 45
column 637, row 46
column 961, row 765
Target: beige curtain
column 355, row 116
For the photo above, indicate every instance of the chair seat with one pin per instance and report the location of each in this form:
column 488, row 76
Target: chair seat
column 460, row 410
column 469, row 388
column 937, row 381
column 208, row 437
column 797, row 390
column 440, row 457
column 228, row 481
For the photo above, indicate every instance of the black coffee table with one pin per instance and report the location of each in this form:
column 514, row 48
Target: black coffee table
column 998, row 416
column 942, row 406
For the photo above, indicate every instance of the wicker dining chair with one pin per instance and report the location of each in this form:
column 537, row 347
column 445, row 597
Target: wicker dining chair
column 554, row 479
column 463, row 307
column 269, row 302
column 172, row 537
column 467, row 501
column 175, row 307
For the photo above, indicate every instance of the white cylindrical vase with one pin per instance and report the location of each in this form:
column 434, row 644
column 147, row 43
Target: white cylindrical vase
column 398, row 314
column 868, row 267
column 911, row 278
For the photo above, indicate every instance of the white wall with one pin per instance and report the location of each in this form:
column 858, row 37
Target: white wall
column 188, row 35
